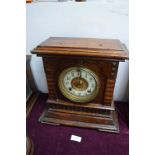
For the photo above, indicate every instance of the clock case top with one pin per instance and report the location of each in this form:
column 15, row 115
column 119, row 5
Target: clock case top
column 92, row 47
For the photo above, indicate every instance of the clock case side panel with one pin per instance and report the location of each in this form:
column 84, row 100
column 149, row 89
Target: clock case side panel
column 110, row 83
column 50, row 70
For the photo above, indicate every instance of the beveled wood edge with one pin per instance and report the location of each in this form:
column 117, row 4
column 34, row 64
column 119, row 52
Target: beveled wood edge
column 31, row 146
column 116, row 124
column 122, row 57
column 90, row 105
column 51, row 110
column 88, row 40
column 104, row 128
column 52, row 57
column 59, row 48
column 108, row 128
column 82, row 57
column 31, row 102
column 45, row 111
column 125, row 48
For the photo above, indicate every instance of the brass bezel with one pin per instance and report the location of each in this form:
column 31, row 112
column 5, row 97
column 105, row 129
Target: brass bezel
column 68, row 95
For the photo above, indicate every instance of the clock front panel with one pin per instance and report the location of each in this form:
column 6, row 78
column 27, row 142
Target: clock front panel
column 78, row 81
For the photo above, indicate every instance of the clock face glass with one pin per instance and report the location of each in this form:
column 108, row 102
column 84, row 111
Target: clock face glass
column 79, row 84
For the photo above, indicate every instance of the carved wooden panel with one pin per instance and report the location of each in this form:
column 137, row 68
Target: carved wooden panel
column 104, row 69
column 110, row 84
column 78, row 110
column 114, row 69
column 109, row 91
column 49, row 67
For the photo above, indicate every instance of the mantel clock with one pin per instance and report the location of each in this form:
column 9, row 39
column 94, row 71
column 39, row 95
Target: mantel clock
column 81, row 75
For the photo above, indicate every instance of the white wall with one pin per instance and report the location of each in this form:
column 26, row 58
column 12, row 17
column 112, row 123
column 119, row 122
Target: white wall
column 100, row 19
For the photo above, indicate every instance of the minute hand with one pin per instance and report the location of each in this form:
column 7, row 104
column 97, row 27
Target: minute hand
column 79, row 76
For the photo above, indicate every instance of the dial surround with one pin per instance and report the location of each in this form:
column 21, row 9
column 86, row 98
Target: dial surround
column 79, row 84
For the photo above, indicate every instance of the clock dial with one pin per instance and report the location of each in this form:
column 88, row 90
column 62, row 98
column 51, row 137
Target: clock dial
column 79, row 84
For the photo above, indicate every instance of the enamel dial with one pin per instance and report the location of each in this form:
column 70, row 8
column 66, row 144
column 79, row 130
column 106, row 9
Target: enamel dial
column 79, row 84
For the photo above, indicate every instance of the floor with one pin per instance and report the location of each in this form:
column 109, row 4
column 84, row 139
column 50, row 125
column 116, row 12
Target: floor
column 55, row 140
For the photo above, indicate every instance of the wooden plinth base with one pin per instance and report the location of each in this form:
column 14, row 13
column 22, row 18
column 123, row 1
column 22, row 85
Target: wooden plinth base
column 100, row 119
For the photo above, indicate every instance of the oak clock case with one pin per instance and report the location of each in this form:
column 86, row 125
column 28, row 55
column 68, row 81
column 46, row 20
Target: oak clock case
column 81, row 75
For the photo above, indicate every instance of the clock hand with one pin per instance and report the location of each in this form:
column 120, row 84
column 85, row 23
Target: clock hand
column 80, row 77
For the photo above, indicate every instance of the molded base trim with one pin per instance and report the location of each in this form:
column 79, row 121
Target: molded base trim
column 107, row 123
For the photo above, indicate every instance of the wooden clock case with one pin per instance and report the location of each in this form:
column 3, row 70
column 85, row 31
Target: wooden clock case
column 102, row 56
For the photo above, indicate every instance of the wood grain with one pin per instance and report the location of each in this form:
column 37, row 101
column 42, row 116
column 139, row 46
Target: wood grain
column 92, row 47
column 28, row 1
column 102, row 56
column 29, row 146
